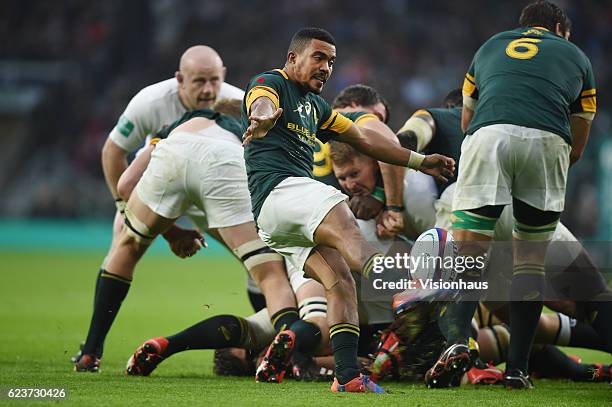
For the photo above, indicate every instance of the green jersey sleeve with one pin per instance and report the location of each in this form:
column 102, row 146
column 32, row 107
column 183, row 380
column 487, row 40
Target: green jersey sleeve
column 269, row 85
column 587, row 99
column 331, row 123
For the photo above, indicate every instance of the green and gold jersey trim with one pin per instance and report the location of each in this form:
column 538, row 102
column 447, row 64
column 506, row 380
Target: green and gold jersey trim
column 283, row 73
column 588, row 100
column 469, row 86
column 261, row 91
column 366, row 118
column 337, row 123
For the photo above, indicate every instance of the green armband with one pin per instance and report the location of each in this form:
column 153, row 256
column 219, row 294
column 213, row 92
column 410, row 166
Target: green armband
column 379, row 194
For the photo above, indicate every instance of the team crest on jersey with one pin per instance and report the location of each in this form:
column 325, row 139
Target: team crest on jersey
column 303, row 108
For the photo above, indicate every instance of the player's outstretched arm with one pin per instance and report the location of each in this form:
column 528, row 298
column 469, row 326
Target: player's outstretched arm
column 373, row 144
column 263, row 117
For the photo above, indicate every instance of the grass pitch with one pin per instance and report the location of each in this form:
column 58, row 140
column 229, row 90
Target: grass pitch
column 45, row 306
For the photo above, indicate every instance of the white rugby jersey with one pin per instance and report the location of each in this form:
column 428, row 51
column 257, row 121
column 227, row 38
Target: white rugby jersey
column 154, row 107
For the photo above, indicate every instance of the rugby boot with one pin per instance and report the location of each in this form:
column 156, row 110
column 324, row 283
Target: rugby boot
column 274, row 365
column 146, row 358
column 360, row 384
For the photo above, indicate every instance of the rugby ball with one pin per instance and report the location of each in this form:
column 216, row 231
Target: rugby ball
column 433, row 256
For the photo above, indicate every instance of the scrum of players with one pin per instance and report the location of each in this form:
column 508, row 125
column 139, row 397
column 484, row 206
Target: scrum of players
column 261, row 171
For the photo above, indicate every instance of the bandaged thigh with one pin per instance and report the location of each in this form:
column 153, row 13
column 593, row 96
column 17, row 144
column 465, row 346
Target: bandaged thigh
column 317, row 267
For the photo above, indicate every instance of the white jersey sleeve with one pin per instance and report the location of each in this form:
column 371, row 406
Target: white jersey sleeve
column 132, row 128
column 230, row 92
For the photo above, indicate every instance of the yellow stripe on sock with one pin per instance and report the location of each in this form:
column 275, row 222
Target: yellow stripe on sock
column 106, row 274
column 283, row 314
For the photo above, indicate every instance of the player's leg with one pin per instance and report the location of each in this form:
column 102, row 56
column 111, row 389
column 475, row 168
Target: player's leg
column 533, row 231
column 256, row 298
column 294, row 218
column 118, row 222
column 267, row 268
column 218, row 332
column 311, row 331
column 306, row 333
column 142, row 226
column 472, row 231
column 327, row 266
column 553, row 328
column 581, row 290
column 480, row 194
column 541, row 164
column 147, row 215
column 339, row 230
column 219, row 188
column 548, row 361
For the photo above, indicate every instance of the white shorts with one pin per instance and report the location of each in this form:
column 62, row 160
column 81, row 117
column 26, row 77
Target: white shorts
column 291, row 214
column 261, row 332
column 187, row 169
column 502, row 161
column 296, row 277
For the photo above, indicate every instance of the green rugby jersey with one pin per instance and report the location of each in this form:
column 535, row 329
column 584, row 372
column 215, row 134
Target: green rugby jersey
column 288, row 148
column 225, row 122
column 447, row 139
column 530, row 77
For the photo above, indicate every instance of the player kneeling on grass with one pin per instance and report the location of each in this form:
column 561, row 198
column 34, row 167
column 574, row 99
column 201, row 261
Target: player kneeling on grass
column 200, row 164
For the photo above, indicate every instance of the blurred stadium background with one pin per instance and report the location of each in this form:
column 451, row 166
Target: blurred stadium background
column 68, row 69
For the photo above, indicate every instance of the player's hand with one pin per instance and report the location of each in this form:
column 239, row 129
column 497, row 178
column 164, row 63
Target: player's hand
column 389, row 224
column 184, row 242
column 259, row 126
column 365, row 206
column 438, row 166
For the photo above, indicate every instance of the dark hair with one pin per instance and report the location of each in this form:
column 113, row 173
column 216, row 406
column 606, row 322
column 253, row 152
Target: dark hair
column 453, row 99
column 302, row 38
column 342, row 153
column 361, row 95
column 227, row 364
column 544, row 14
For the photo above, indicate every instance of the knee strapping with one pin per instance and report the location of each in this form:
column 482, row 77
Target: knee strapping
column 543, row 233
column 137, row 229
column 313, row 307
column 254, row 253
column 468, row 220
column 533, row 224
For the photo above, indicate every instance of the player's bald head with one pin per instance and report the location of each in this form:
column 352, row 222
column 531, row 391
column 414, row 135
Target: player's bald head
column 200, row 56
column 200, row 76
